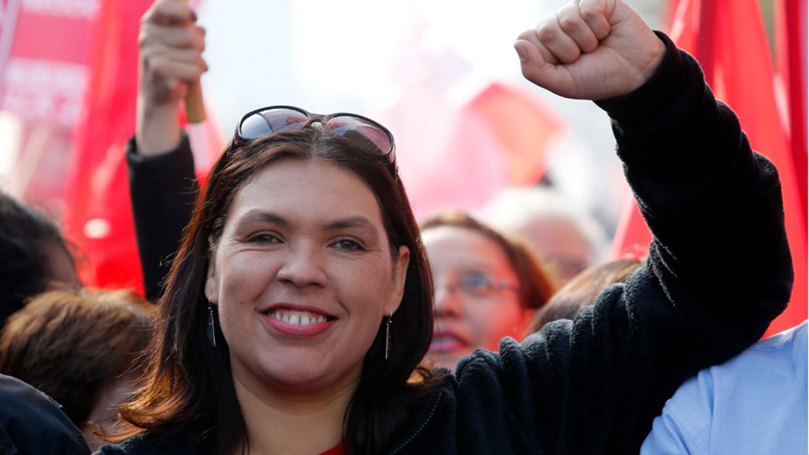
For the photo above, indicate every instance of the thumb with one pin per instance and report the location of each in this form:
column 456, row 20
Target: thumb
column 537, row 66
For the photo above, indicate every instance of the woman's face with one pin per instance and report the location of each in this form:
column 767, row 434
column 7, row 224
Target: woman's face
column 476, row 299
column 302, row 277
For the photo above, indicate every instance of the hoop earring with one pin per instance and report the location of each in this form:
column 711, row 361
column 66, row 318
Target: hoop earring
column 387, row 336
column 210, row 332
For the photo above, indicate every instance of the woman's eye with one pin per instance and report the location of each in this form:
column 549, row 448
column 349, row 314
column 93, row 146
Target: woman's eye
column 264, row 238
column 348, row 244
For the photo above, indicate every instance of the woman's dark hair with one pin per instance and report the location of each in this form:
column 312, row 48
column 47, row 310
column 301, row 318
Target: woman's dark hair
column 71, row 343
column 536, row 284
column 188, row 382
column 27, row 239
column 583, row 290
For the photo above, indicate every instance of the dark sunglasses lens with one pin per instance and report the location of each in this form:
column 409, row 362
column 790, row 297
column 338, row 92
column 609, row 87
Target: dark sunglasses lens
column 271, row 121
column 344, row 125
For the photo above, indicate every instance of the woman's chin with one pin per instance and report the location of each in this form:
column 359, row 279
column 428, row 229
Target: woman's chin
column 308, row 378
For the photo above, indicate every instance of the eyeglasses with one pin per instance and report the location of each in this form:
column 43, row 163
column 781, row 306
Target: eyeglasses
column 476, row 284
column 276, row 119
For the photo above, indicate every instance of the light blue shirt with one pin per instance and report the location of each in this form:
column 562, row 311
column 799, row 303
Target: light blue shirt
column 756, row 403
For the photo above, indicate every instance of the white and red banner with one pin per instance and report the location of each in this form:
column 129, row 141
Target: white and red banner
column 44, row 70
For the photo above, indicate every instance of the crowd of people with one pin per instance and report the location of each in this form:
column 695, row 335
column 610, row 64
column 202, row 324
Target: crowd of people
column 294, row 304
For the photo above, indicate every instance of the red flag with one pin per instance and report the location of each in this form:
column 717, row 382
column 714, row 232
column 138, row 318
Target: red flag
column 790, row 43
column 98, row 212
column 729, row 40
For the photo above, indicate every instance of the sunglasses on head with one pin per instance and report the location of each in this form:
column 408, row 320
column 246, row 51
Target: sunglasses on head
column 276, row 119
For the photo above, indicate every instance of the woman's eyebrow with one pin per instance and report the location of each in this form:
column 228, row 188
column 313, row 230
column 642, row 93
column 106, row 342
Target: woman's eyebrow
column 255, row 217
column 356, row 222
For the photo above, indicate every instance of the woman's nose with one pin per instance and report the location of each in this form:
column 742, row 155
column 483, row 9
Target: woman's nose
column 303, row 266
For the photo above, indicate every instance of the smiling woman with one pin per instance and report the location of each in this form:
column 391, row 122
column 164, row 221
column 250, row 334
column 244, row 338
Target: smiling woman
column 304, row 243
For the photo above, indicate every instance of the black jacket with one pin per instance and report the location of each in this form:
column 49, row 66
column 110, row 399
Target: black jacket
column 31, row 423
column 719, row 271
column 163, row 189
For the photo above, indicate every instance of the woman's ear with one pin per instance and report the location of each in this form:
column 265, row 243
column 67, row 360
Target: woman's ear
column 211, row 283
column 399, row 279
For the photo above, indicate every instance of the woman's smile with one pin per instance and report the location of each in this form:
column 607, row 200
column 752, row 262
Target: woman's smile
column 298, row 321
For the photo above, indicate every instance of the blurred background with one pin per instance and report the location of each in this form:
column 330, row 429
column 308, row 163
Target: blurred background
column 441, row 74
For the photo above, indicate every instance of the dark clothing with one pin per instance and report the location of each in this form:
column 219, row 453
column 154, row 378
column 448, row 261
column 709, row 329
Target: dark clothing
column 719, row 271
column 31, row 423
column 163, row 190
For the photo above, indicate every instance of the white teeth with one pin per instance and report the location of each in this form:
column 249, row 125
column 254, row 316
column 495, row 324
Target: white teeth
column 296, row 318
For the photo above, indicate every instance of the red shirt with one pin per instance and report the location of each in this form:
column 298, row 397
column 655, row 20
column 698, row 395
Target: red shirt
column 337, row 450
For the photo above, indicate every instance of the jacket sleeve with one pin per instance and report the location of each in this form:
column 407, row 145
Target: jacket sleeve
column 719, row 271
column 163, row 189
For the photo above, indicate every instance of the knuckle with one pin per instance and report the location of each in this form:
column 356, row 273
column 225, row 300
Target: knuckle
column 588, row 13
column 569, row 23
column 546, row 33
column 187, row 36
column 146, row 35
column 160, row 67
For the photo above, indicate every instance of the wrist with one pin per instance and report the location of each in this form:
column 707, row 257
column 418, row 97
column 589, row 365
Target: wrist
column 158, row 128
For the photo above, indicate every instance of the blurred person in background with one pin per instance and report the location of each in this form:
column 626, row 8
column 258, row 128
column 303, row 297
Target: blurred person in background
column 79, row 347
column 561, row 232
column 582, row 290
column 33, row 255
column 488, row 285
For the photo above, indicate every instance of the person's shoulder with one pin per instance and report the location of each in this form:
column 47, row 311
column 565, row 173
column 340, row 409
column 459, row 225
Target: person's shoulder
column 766, row 358
column 181, row 443
column 771, row 375
column 794, row 338
column 766, row 370
column 141, row 444
column 31, row 420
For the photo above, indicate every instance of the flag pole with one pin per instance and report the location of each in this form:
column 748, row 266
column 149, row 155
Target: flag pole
column 194, row 105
